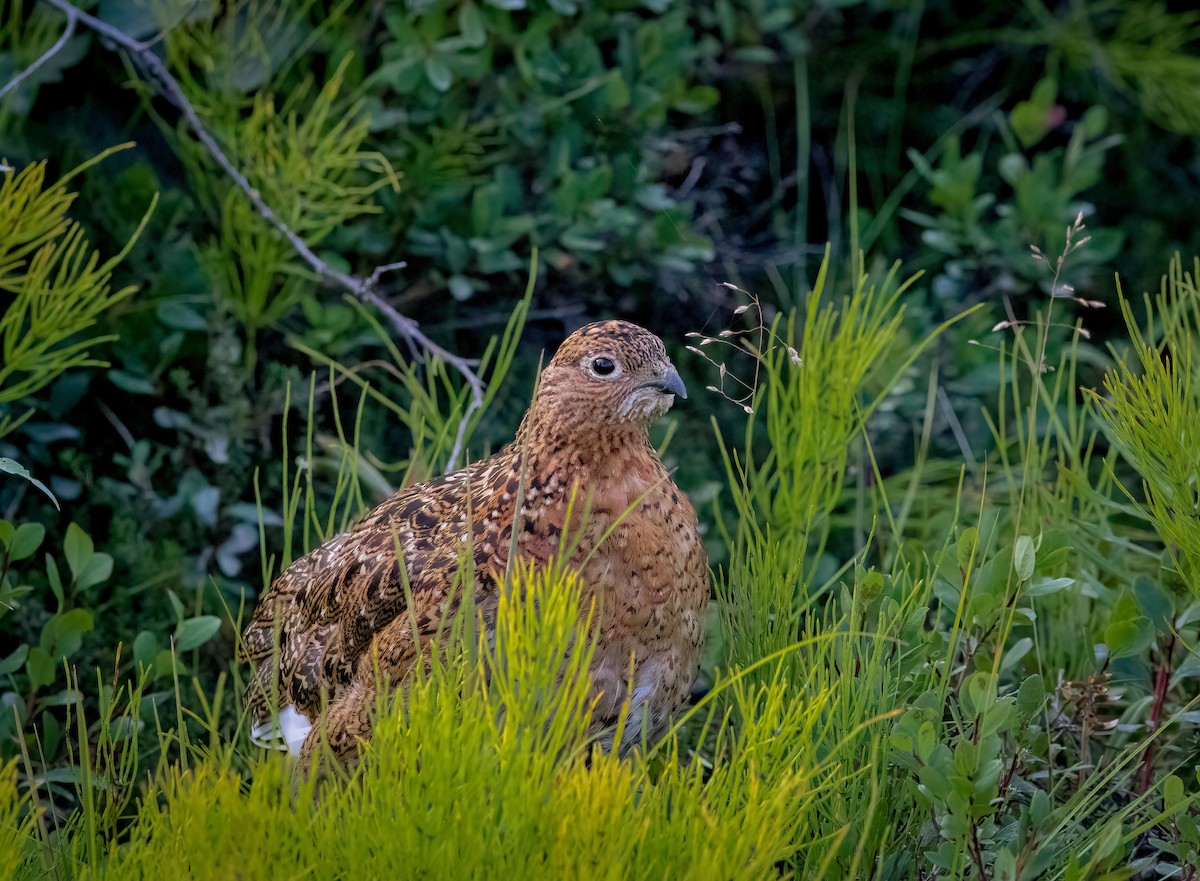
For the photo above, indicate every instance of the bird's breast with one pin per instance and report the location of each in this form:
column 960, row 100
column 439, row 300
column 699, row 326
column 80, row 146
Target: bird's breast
column 651, row 585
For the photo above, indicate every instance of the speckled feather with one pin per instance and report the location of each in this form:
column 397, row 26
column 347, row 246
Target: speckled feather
column 314, row 635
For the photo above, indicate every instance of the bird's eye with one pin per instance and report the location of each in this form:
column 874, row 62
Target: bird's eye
column 603, row 366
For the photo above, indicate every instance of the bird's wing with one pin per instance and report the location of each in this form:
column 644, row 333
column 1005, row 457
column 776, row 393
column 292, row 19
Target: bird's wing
column 316, row 623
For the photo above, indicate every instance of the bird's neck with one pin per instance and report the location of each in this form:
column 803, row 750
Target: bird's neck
column 577, row 441
column 605, row 469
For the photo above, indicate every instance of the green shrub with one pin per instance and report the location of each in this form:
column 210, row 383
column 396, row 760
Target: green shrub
column 1152, row 416
column 55, row 284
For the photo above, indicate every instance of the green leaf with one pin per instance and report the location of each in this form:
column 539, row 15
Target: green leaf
column 1095, row 121
column 165, row 664
column 998, row 717
column 461, row 287
column 1109, row 840
column 11, row 466
column 135, row 19
column 63, row 697
column 578, row 238
column 1032, row 119
column 697, row 99
column 1024, row 558
column 1030, row 696
column 1155, row 600
column 180, row 316
column 486, row 208
column 1173, row 794
column 145, row 647
column 926, row 740
column 40, row 667
column 1126, row 639
column 63, row 634
column 1012, row 167
column 1005, row 867
column 649, row 42
column 1130, row 632
column 13, row 662
column 55, row 579
column 934, row 781
column 438, row 72
column 26, row 540
column 870, row 585
column 176, row 605
column 78, row 548
column 1015, row 652
column 1040, row 808
column 965, row 548
column 616, row 91
column 51, row 737
column 1044, row 586
column 472, row 25
column 979, row 694
column 755, row 55
column 98, row 569
column 194, row 632
column 131, row 382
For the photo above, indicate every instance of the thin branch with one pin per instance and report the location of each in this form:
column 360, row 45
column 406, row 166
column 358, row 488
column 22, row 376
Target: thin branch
column 67, row 33
column 364, row 289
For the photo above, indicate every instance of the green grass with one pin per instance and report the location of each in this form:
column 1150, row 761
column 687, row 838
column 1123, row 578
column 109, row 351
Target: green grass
column 966, row 670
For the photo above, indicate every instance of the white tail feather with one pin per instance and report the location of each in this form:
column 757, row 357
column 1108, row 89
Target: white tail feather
column 286, row 732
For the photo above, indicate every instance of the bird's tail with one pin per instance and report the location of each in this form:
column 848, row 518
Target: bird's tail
column 284, row 732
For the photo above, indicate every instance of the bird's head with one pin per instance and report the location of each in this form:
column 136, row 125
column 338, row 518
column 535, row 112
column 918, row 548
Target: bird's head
column 611, row 372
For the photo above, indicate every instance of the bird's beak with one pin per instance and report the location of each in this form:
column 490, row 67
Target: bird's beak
column 672, row 384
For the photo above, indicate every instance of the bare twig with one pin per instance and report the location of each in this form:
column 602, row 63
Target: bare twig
column 364, row 289
column 67, row 33
column 1059, row 290
column 765, row 341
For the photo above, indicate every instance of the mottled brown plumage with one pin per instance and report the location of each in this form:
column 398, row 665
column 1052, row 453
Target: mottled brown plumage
column 316, row 631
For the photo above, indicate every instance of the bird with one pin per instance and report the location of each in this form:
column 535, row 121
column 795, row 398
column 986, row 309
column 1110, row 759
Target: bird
column 336, row 625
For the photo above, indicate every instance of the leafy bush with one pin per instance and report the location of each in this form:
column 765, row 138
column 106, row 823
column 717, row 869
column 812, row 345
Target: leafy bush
column 530, row 125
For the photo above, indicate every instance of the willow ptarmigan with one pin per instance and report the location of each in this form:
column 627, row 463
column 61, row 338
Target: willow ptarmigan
column 316, row 632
